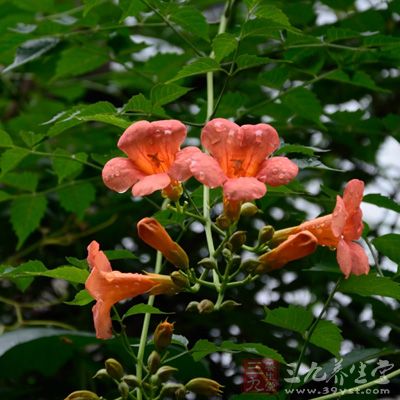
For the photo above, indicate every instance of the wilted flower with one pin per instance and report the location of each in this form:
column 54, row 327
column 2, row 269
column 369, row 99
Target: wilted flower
column 238, row 162
column 154, row 234
column 108, row 287
column 151, row 148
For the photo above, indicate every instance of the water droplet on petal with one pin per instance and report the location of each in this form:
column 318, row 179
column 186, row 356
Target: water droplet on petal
column 168, row 131
column 281, row 176
column 275, row 170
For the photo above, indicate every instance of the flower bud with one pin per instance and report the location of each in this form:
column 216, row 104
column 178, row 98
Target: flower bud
column 172, row 192
column 123, row 389
column 192, row 306
column 229, row 305
column 114, row 368
column 204, row 386
column 179, row 279
column 82, row 395
column 154, row 234
column 265, row 234
column 165, row 372
column 223, row 222
column 226, row 253
column 131, row 380
column 169, row 389
column 163, row 335
column 180, row 394
column 205, row 306
column 237, row 240
column 101, row 373
column 208, row 263
column 153, row 362
column 248, row 209
column 250, row 265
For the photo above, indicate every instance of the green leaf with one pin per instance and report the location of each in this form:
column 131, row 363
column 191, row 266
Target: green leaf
column 203, row 348
column 130, row 8
column 5, row 139
column 143, row 309
column 120, row 255
column 223, row 45
column 327, row 336
column 107, row 119
column 164, row 94
column 77, row 198
column 82, row 298
column 246, row 61
column 334, row 34
column 32, row 50
column 79, row 60
column 382, row 201
column 24, row 180
column 191, row 20
column 389, row 245
column 371, row 285
column 298, row 148
column 303, row 103
column 26, row 214
column 4, row 196
column 274, row 78
column 89, row 4
column 314, row 163
column 168, row 217
column 272, row 13
column 198, row 66
column 17, row 274
column 77, row 262
column 139, row 103
column 11, row 158
column 294, row 318
column 67, row 165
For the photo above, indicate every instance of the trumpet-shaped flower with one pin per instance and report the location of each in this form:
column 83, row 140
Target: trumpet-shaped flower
column 108, row 287
column 293, row 248
column 238, row 162
column 151, row 148
column 340, row 229
column 154, row 234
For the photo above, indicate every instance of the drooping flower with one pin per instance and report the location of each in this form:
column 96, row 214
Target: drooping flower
column 151, row 148
column 154, row 234
column 238, row 162
column 293, row 248
column 108, row 287
column 340, row 230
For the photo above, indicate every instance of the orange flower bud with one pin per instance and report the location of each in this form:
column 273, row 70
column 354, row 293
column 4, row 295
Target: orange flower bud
column 163, row 335
column 154, row 234
column 295, row 247
column 204, row 386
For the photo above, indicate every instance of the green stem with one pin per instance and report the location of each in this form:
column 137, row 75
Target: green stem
column 311, row 330
column 356, row 389
column 374, row 256
column 146, row 321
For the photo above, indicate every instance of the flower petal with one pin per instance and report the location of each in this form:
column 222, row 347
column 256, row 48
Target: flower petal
column 239, row 150
column 243, row 189
column 120, row 174
column 96, row 258
column 180, row 169
column 343, row 256
column 206, row 170
column 339, row 217
column 360, row 263
column 277, row 171
column 152, row 145
column 149, row 184
column 295, row 247
column 353, row 194
column 102, row 319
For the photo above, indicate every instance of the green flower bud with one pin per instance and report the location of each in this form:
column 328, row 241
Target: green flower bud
column 223, row 222
column 250, row 265
column 165, row 372
column 204, row 386
column 208, row 263
column 101, row 373
column 123, row 389
column 82, row 395
column 265, row 234
column 226, row 253
column 229, row 305
column 131, row 380
column 169, row 389
column 205, row 306
column 114, row 368
column 179, row 279
column 248, row 210
column 192, row 306
column 180, row 394
column 153, row 362
column 237, row 240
